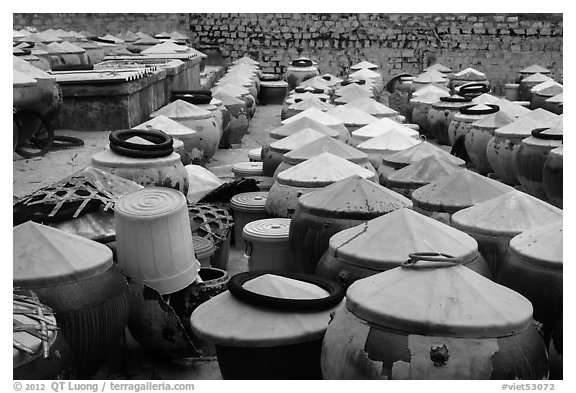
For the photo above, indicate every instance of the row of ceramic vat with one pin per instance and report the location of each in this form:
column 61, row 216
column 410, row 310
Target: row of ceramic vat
column 54, row 49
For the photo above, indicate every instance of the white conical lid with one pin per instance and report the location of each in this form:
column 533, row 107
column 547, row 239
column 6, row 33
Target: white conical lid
column 29, row 70
column 146, row 39
column 311, row 102
column 365, row 74
column 167, row 125
column 352, row 91
column 523, row 125
column 166, row 47
column 511, row 108
column 110, row 37
column 419, row 152
column 371, row 106
column 422, row 172
column 364, row 65
column 322, row 170
column 180, row 109
column 431, row 88
column 391, row 141
column 382, row 126
column 536, row 78
column 176, row 35
column 438, row 67
column 486, row 99
column 323, row 145
column 470, row 74
column 430, row 97
column 20, row 79
column 534, row 68
column 352, row 115
column 558, row 98
column 246, row 60
column 71, row 48
column 299, row 125
column 296, row 140
column 431, row 77
column 508, row 214
column 317, row 115
column 494, row 120
column 541, row 246
column 546, row 85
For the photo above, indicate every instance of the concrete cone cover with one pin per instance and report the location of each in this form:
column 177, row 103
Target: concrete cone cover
column 494, row 120
column 352, row 115
column 180, row 109
column 317, row 115
column 423, row 172
column 167, row 125
column 325, row 144
column 431, row 77
column 370, row 106
column 438, row 67
column 299, row 125
column 534, row 68
column 471, row 74
column 486, row 99
column 542, row 246
column 382, row 126
column 298, row 139
column 311, row 102
column 392, row 140
column 364, row 65
column 421, row 151
column 431, row 88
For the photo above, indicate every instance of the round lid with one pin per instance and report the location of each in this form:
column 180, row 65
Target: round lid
column 558, row 98
column 322, row 170
column 352, row 115
column 322, row 145
column 432, row 76
column 233, row 90
column 383, row 126
column 180, row 109
column 71, row 48
column 389, row 142
column 470, row 74
column 298, row 139
column 301, row 124
column 506, row 215
column 228, row 320
column 355, row 198
column 249, row 201
column 20, row 79
column 150, row 202
column 438, row 67
column 315, row 114
column 364, row 64
column 449, row 301
column 534, row 68
column 110, row 159
column 292, row 98
column 523, row 125
column 46, row 256
column 227, row 99
column 315, row 83
column 167, row 125
column 493, row 121
column 55, row 48
column 383, row 243
column 458, row 191
column 512, row 109
column 311, row 102
column 365, row 73
column 430, row 88
column 249, row 167
column 420, row 151
column 536, row 78
column 422, row 172
column 268, row 229
column 542, row 247
column 203, row 247
column 371, row 106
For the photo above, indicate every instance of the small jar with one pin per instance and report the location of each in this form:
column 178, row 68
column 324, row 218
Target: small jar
column 247, row 207
column 268, row 245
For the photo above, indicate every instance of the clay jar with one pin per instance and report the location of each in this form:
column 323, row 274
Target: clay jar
column 422, row 105
column 534, row 267
column 531, row 157
column 444, row 197
column 531, row 70
column 76, row 278
column 477, row 137
column 464, row 119
column 272, row 92
column 298, row 71
column 310, row 175
column 202, row 121
column 418, row 174
column 323, row 145
column 323, row 213
column 382, row 243
column 441, row 115
column 272, row 157
column 495, row 222
column 552, row 176
column 539, row 97
column 527, row 83
column 432, row 320
column 427, row 88
column 503, row 147
column 237, row 92
column 238, row 125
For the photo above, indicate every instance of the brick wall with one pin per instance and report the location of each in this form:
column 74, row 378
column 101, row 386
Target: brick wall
column 497, row 44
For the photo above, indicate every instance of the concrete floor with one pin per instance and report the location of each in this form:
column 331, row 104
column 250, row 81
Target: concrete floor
column 129, row 360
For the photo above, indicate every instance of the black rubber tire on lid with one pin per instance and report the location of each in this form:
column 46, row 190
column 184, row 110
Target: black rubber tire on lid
column 161, row 141
column 455, row 99
column 270, row 78
column 195, row 92
column 466, row 110
column 301, row 63
column 195, row 99
column 539, row 133
column 336, row 292
column 66, row 142
column 475, row 88
column 123, row 151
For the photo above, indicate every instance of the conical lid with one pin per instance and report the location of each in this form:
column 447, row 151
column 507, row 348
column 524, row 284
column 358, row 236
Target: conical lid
column 323, row 145
column 493, row 121
column 29, row 70
column 354, row 198
column 470, row 74
column 55, row 48
column 558, row 152
column 227, row 99
column 182, row 110
column 523, row 125
column 364, row 65
column 429, row 98
column 166, row 47
column 534, row 68
column 71, row 48
column 302, row 96
column 233, row 90
column 548, row 137
column 352, row 115
column 511, row 108
column 296, row 140
column 446, row 301
column 365, row 74
column 382, row 126
column 389, row 142
column 16, row 35
column 536, row 78
column 226, row 320
column 20, row 79
column 431, row 77
column 506, row 215
column 558, row 98
column 316, row 83
column 551, row 90
column 110, row 37
column 167, row 125
column 353, row 90
column 299, row 125
column 486, row 99
column 163, row 34
column 545, row 86
column 176, row 35
column 422, row 172
column 246, row 60
column 431, row 88
column 128, row 36
column 311, row 102
column 322, row 170
column 315, row 114
column 145, row 39
column 371, row 106
column 385, row 242
column 438, row 67
column 419, row 152
column 41, row 37
column 458, row 191
column 541, row 246
column 45, row 256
